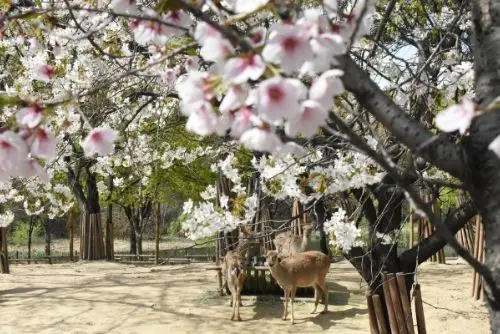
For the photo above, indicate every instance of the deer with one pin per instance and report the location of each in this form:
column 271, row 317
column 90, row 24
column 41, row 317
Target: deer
column 234, row 275
column 289, row 245
column 306, row 269
column 234, row 268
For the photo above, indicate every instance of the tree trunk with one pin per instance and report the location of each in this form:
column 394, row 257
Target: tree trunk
column 92, row 244
column 139, row 243
column 31, row 227
column 157, row 233
column 320, row 212
column 4, row 253
column 71, row 227
column 46, row 227
column 110, row 254
column 133, row 240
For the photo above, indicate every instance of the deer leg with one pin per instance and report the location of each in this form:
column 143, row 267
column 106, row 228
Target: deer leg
column 239, row 299
column 324, row 287
column 292, row 295
column 234, row 302
column 286, row 306
column 317, row 291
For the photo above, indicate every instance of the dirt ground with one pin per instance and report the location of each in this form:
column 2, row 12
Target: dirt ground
column 115, row 298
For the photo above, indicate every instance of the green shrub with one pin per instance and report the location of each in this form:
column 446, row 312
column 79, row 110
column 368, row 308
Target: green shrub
column 20, row 235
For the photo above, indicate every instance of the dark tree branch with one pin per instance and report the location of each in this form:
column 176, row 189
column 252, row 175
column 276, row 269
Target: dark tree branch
column 444, row 154
column 455, row 221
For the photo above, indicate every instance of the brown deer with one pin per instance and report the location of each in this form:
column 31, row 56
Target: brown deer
column 234, row 274
column 287, row 245
column 301, row 270
column 234, row 268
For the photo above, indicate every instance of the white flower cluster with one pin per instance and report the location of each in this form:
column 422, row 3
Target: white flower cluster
column 345, row 234
column 6, row 218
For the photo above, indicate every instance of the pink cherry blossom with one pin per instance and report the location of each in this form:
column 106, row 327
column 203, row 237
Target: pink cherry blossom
column 234, row 99
column 223, row 123
column 326, row 87
column 202, row 119
column 170, row 75
column 279, row 98
column 243, row 120
column 288, row 46
column 149, row 32
column 178, row 18
column 216, row 49
column 192, row 63
column 204, row 31
column 29, row 116
column 312, row 116
column 457, row 117
column 241, row 69
column 44, row 73
column 44, row 144
column 262, row 140
column 192, row 88
column 291, row 148
column 257, row 37
column 99, row 141
column 13, row 150
column 31, row 168
column 124, row 6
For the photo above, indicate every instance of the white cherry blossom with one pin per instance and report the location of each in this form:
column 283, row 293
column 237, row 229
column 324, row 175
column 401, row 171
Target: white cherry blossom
column 99, row 141
column 262, row 140
column 457, row 117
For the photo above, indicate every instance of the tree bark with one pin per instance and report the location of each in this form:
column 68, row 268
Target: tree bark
column 31, row 227
column 157, row 233
column 4, row 253
column 320, row 212
column 47, row 230
column 133, row 240
column 110, row 254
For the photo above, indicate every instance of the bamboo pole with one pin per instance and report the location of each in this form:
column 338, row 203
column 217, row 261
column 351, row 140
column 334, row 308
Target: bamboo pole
column 411, row 223
column 479, row 280
column 377, row 305
column 396, row 301
column 476, row 254
column 403, row 293
column 419, row 309
column 390, row 307
column 371, row 314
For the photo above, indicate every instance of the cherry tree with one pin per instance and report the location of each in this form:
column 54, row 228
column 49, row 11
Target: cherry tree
column 300, row 81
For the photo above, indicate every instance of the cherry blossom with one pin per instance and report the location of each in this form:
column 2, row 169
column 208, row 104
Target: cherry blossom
column 146, row 32
column 235, row 98
column 291, row 148
column 44, row 73
column 99, row 141
column 29, row 116
column 13, row 150
column 246, row 6
column 216, row 49
column 288, row 46
column 457, row 117
column 44, row 144
column 178, row 18
column 260, row 139
column 257, row 37
column 312, row 116
column 326, row 87
column 205, row 31
column 241, row 69
column 192, row 63
column 31, row 168
column 202, row 119
column 194, row 87
column 170, row 75
column 243, row 120
column 124, row 6
column 279, row 98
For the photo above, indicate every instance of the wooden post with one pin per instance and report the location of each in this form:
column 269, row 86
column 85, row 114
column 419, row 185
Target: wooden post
column 419, row 309
column 480, row 250
column 403, row 293
column 396, row 301
column 371, row 314
column 410, row 219
column 157, row 234
column 476, row 254
column 377, row 305
column 390, row 307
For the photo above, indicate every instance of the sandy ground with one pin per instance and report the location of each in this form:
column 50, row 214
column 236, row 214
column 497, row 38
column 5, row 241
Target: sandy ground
column 115, row 298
